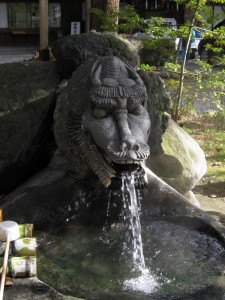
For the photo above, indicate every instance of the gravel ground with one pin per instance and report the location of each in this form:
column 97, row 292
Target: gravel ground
column 204, row 102
column 16, row 54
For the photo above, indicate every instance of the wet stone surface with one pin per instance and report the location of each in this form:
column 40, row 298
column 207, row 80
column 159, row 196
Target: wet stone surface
column 93, row 263
column 32, row 288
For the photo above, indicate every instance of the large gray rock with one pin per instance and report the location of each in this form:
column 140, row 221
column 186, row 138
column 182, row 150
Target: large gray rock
column 183, row 163
column 158, row 103
column 73, row 50
column 27, row 101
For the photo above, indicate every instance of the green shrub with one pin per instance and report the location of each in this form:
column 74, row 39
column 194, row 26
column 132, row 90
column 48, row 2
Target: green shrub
column 157, row 51
column 189, row 94
column 146, row 67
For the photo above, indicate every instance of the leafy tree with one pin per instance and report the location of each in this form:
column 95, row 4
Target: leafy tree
column 129, row 19
column 107, row 18
column 197, row 7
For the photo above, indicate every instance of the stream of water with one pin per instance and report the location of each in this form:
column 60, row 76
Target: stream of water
column 132, row 213
column 145, row 282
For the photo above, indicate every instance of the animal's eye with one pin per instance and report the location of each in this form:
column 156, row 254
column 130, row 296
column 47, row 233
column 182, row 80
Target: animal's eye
column 138, row 110
column 99, row 112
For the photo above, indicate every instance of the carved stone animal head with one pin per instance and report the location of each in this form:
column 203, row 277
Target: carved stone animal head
column 106, row 122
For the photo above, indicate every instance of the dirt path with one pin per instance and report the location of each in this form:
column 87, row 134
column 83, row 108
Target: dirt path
column 211, row 204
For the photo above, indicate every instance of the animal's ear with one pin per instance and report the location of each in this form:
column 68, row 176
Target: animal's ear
column 134, row 75
column 96, row 73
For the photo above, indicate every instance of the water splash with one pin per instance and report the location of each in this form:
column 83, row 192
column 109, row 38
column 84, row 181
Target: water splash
column 146, row 283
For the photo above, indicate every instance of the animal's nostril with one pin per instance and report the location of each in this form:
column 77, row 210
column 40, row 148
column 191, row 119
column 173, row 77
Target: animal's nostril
column 136, row 147
column 130, row 144
column 124, row 146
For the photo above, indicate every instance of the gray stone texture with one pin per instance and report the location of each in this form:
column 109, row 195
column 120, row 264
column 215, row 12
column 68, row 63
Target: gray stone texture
column 27, row 99
column 73, row 50
column 183, row 162
column 27, row 288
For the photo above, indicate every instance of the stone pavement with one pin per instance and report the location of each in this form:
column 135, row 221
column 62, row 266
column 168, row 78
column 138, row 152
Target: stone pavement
column 16, row 54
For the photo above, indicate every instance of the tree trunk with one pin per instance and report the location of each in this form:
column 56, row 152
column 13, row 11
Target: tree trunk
column 182, row 74
column 43, row 11
column 113, row 5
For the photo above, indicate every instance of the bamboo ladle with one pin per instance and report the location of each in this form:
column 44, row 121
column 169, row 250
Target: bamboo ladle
column 9, row 231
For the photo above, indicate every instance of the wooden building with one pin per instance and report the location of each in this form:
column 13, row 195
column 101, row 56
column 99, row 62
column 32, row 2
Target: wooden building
column 158, row 8
column 19, row 19
column 148, row 9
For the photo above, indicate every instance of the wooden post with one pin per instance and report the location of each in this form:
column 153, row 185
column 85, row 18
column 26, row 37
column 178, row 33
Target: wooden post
column 43, row 13
column 4, row 268
column 87, row 15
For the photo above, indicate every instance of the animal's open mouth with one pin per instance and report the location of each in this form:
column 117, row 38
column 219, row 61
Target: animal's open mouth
column 126, row 162
column 116, row 168
column 131, row 170
column 129, row 167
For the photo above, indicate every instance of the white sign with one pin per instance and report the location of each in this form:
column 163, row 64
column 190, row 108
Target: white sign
column 75, row 28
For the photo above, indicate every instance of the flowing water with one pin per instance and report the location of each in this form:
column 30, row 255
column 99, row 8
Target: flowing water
column 145, row 281
column 132, row 213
